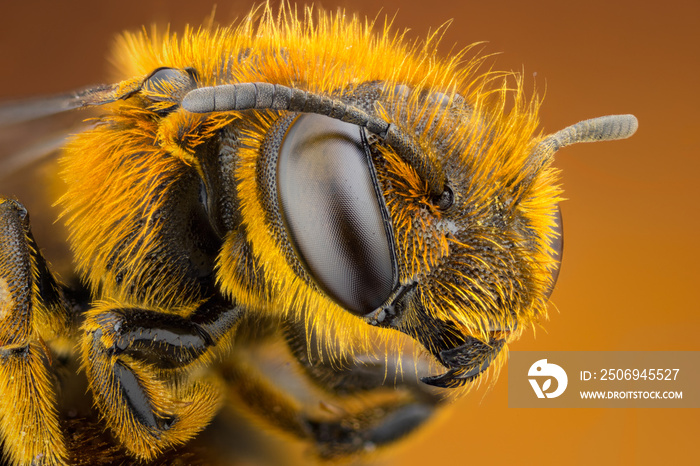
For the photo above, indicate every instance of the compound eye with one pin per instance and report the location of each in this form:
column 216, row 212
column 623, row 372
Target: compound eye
column 558, row 247
column 333, row 212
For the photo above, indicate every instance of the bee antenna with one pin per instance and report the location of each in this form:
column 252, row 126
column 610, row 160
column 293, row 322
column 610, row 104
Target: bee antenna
column 605, row 128
column 247, row 96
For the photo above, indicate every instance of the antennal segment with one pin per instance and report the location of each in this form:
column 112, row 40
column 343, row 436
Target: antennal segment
column 605, row 128
column 248, row 96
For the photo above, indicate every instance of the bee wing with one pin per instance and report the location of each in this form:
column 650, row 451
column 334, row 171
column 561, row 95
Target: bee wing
column 21, row 111
column 25, row 144
column 33, row 129
column 31, row 133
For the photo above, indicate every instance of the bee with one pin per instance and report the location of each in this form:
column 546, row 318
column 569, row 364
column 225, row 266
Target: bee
column 309, row 182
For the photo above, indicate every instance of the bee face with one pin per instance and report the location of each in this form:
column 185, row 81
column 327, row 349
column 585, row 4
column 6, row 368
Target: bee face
column 481, row 265
column 264, row 182
column 358, row 224
column 476, row 262
column 425, row 207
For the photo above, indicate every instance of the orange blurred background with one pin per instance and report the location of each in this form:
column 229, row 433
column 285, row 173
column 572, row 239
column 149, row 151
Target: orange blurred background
column 631, row 257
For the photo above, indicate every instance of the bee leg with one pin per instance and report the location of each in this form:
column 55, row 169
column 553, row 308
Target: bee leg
column 30, row 301
column 137, row 361
column 337, row 428
column 360, row 407
column 347, row 375
column 402, row 403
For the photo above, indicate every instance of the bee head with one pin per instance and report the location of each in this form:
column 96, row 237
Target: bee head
column 415, row 210
column 406, row 202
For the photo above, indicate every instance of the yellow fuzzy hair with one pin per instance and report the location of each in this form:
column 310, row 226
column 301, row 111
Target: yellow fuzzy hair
column 326, row 54
column 29, row 420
